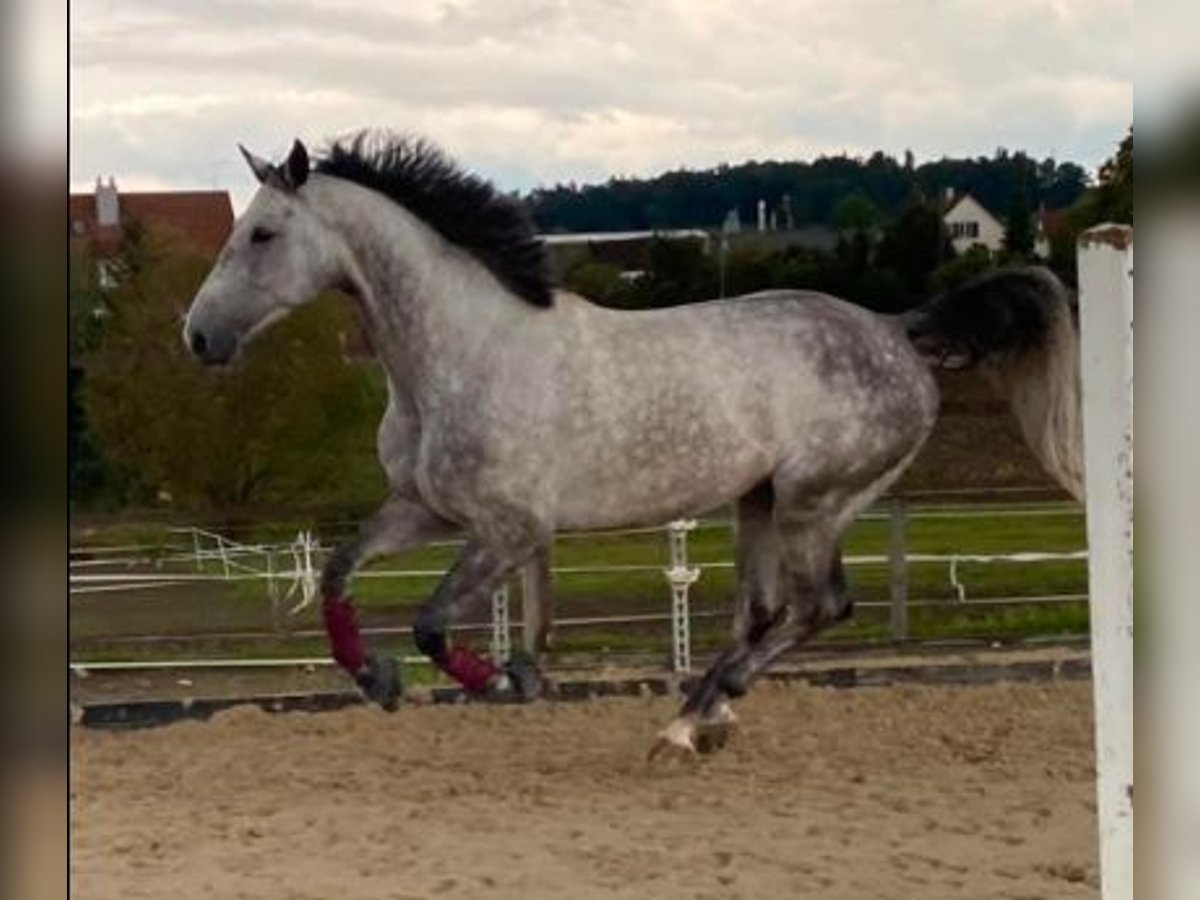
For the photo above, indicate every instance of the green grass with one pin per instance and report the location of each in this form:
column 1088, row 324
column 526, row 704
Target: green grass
column 208, row 609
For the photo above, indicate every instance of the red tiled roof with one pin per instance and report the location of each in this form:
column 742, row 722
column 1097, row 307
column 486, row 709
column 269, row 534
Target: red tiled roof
column 1052, row 221
column 203, row 218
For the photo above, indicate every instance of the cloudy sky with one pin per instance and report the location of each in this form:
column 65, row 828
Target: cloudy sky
column 540, row 91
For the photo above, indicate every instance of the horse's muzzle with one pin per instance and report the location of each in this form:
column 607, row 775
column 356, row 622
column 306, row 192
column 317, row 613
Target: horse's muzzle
column 210, row 349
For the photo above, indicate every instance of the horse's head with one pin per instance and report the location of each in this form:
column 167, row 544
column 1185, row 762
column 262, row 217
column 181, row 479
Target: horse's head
column 279, row 256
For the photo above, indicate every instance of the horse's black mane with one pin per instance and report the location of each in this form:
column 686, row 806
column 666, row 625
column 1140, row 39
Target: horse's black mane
column 463, row 208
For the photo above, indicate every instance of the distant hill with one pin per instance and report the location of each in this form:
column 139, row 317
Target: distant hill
column 804, row 192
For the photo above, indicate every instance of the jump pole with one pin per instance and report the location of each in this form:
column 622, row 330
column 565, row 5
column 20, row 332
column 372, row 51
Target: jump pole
column 1105, row 256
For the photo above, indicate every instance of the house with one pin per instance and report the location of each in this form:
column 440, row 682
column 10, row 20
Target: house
column 203, row 219
column 968, row 223
column 1050, row 224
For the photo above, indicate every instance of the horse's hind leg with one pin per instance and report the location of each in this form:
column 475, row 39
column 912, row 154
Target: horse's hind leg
column 814, row 597
column 756, row 563
column 809, row 593
column 707, row 717
column 399, row 525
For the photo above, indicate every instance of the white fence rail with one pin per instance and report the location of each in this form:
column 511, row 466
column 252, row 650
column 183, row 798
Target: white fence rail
column 290, row 571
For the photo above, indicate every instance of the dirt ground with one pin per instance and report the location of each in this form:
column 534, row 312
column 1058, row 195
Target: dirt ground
column 905, row 792
column 214, row 682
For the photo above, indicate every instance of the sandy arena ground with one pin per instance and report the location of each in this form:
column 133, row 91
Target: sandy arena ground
column 909, row 792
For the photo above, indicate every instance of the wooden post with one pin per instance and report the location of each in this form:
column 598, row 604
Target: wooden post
column 1106, row 360
column 898, row 566
column 537, row 603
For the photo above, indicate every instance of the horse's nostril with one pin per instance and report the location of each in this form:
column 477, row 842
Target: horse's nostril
column 199, row 343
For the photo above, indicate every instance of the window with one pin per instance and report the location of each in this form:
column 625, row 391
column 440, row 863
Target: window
column 964, row 230
column 78, row 227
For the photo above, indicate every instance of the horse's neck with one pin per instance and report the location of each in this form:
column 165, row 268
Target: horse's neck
column 430, row 307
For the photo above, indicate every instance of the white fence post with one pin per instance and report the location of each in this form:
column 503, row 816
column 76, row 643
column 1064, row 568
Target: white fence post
column 272, row 590
column 501, row 634
column 681, row 577
column 1106, row 359
column 304, row 575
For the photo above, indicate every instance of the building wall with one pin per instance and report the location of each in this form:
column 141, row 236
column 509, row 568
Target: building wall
column 201, row 218
column 969, row 223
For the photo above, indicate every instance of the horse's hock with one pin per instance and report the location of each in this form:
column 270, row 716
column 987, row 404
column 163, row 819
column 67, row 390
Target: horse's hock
column 936, row 792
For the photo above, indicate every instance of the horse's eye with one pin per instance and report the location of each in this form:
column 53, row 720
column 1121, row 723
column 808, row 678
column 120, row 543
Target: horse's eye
column 261, row 235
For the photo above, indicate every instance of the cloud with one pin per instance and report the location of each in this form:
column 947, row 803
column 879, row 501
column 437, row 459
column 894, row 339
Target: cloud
column 546, row 90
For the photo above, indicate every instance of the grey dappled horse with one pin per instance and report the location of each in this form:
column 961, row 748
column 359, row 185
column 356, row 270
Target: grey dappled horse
column 516, row 410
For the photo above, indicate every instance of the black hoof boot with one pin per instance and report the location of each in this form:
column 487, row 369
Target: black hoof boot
column 380, row 682
column 521, row 682
column 710, row 740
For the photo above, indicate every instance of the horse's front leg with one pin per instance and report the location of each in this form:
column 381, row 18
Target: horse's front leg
column 399, row 525
column 474, row 577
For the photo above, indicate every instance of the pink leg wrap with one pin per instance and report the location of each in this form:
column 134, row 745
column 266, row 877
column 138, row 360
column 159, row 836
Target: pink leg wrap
column 469, row 669
column 345, row 640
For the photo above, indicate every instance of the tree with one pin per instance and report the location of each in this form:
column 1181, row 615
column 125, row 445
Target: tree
column 600, row 282
column 1019, row 234
column 677, row 272
column 855, row 212
column 1111, row 200
column 280, row 428
column 86, row 307
column 913, row 246
column 976, row 260
column 691, row 199
column 88, row 474
column 1115, row 194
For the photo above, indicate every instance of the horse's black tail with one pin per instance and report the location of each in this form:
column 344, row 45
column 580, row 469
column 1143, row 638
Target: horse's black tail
column 1018, row 326
column 1005, row 313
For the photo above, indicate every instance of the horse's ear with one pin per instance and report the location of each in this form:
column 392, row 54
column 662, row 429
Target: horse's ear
column 295, row 169
column 259, row 166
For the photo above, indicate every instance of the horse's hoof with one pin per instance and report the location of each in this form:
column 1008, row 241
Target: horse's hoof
column 711, row 737
column 714, row 732
column 521, row 681
column 675, row 744
column 381, row 683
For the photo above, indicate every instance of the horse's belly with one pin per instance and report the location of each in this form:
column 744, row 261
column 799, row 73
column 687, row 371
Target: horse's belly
column 645, row 489
column 395, row 444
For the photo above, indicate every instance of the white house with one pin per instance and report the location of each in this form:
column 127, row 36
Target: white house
column 968, row 223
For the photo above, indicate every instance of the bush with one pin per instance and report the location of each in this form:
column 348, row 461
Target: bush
column 975, row 261
column 282, row 427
